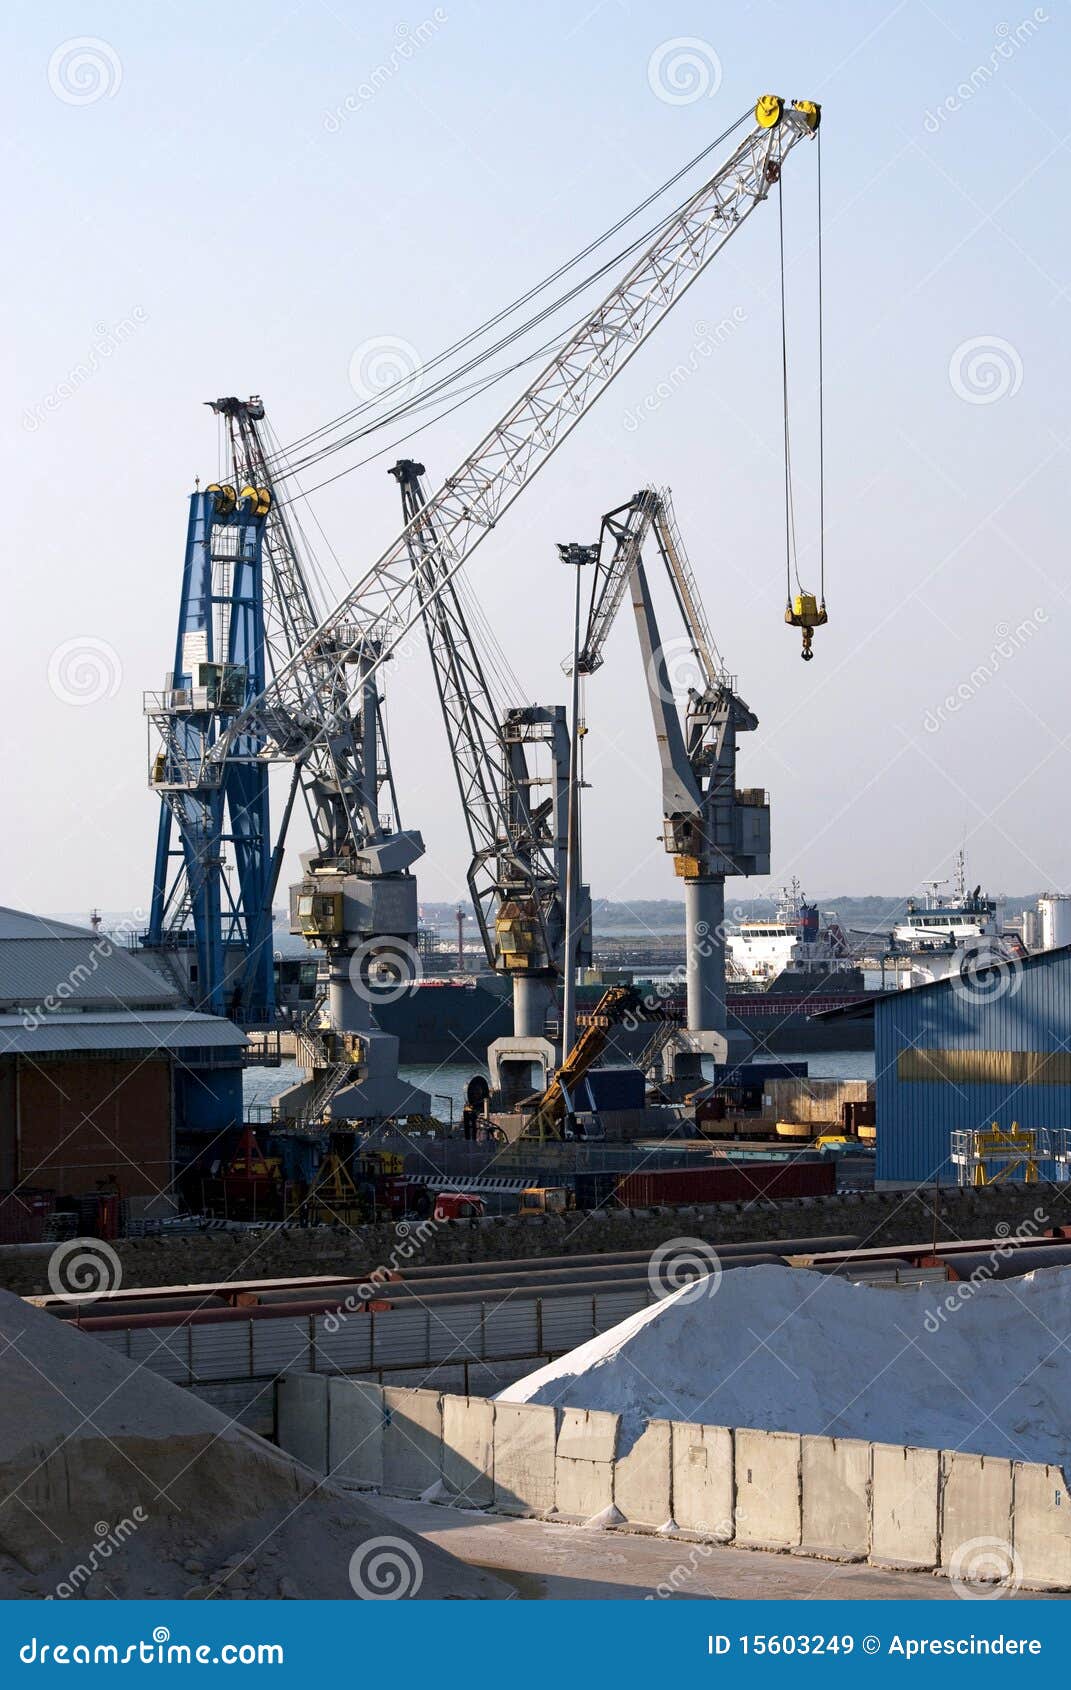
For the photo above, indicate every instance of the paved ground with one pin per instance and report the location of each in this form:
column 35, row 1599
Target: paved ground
column 544, row 1561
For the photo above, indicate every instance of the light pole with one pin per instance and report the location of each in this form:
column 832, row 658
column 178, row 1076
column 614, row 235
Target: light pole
column 576, row 556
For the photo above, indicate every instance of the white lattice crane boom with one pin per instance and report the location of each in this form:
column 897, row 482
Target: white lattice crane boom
column 299, row 708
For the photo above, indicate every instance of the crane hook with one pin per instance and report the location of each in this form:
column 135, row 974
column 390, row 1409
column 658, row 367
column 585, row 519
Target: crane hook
column 804, row 611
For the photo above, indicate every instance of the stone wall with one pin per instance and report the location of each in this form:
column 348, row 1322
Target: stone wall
column 876, row 1218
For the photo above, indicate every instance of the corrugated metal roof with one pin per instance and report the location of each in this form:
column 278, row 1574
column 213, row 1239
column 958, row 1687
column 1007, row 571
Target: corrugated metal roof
column 861, row 1008
column 20, row 924
column 88, row 969
column 153, row 1030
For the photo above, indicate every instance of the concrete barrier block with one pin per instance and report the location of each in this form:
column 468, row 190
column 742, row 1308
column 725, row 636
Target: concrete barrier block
column 1041, row 1526
column 835, row 1478
column 584, row 1463
column 355, row 1431
column 976, row 1504
column 702, row 1479
column 524, row 1457
column 412, row 1440
column 469, row 1450
column 643, row 1478
column 767, row 1474
column 904, row 1508
column 301, row 1418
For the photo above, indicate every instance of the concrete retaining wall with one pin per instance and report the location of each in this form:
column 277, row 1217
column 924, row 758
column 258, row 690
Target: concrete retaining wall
column 836, row 1498
column 584, row 1463
column 524, row 1457
column 703, row 1485
column 905, row 1507
column 835, row 1492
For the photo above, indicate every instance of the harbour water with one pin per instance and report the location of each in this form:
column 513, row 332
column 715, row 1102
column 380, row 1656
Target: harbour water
column 447, row 1081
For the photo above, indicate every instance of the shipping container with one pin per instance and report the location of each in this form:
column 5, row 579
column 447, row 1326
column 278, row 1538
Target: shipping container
column 729, row 1182
column 610, row 1088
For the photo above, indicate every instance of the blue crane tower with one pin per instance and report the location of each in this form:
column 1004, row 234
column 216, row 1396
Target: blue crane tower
column 216, row 865
column 218, row 667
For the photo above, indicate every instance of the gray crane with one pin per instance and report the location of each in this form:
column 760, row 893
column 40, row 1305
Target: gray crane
column 710, row 827
column 517, row 874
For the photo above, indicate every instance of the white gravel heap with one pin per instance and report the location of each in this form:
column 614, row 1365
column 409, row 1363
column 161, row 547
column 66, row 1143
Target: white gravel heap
column 116, row 1483
column 780, row 1349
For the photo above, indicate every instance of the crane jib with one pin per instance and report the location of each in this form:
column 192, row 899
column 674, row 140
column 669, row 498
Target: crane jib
column 375, row 616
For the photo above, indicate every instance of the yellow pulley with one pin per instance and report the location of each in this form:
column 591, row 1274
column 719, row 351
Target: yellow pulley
column 810, row 111
column 768, row 110
column 225, row 497
column 259, row 499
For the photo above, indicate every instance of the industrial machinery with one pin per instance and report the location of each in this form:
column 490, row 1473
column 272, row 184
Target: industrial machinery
column 212, row 929
column 246, row 594
column 319, row 709
column 552, row 1112
column 991, row 1156
column 711, row 827
column 518, row 871
column 546, row 1200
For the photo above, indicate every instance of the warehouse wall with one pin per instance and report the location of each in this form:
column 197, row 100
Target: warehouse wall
column 1028, row 1010
column 71, row 1121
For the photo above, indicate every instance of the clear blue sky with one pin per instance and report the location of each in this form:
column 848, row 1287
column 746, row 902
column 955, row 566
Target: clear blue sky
column 215, row 199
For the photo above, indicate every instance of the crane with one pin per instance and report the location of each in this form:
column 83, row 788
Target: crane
column 710, row 827
column 298, row 710
column 320, row 707
column 519, row 863
column 242, row 552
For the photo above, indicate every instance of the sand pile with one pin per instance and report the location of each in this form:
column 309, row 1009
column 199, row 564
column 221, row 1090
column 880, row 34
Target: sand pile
column 114, row 1482
column 784, row 1350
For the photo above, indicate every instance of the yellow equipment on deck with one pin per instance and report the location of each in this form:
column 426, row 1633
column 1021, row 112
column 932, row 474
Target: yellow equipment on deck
column 989, row 1156
column 550, row 1112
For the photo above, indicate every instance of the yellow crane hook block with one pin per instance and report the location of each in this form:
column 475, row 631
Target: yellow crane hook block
column 804, row 611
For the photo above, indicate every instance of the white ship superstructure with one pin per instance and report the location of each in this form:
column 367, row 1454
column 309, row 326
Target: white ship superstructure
column 793, row 939
column 942, row 933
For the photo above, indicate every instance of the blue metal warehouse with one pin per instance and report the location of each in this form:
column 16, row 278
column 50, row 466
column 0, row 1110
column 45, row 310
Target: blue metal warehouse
column 969, row 1051
column 992, row 1045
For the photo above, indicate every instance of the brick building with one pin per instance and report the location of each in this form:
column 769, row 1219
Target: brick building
column 105, row 1073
